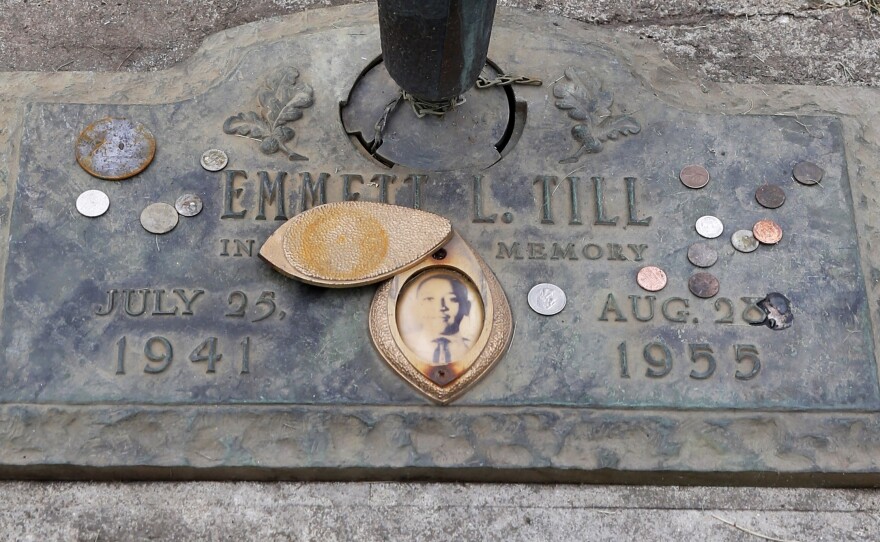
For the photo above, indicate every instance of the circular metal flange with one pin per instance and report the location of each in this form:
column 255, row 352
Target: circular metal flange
column 115, row 149
column 469, row 136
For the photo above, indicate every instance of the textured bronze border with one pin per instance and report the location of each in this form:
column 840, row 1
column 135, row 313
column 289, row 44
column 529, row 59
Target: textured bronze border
column 496, row 335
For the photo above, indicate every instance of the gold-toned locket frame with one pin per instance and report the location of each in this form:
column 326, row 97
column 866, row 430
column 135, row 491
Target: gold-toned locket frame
column 491, row 345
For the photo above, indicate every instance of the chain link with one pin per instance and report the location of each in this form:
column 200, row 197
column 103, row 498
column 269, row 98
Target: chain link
column 423, row 108
column 507, row 80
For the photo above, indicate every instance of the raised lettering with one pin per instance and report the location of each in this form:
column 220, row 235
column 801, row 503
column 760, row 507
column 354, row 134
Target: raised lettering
column 313, row 193
column 611, row 306
column 111, row 304
column 560, row 254
column 536, row 251
column 272, row 192
column 417, row 182
column 231, row 194
column 599, row 192
column 631, row 199
column 513, row 251
column 547, row 183
column 158, row 298
column 479, row 217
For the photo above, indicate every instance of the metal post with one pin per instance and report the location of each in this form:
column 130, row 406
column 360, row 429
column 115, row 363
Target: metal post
column 435, row 49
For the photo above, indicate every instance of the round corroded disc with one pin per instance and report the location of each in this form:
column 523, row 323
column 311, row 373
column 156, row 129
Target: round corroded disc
column 115, row 149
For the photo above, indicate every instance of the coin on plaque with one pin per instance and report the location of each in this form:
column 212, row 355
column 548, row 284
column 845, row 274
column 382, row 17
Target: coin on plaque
column 744, row 241
column 115, row 149
column 704, row 285
column 92, row 203
column 709, row 227
column 547, row 299
column 159, row 218
column 354, row 243
column 770, row 196
column 694, row 176
column 702, row 255
column 808, row 173
column 214, row 160
column 651, row 278
column 767, row 232
column 188, row 205
column 443, row 324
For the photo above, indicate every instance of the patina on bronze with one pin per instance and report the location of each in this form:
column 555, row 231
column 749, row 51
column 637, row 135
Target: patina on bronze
column 130, row 355
column 435, row 49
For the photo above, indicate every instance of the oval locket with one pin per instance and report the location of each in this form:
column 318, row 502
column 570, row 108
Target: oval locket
column 441, row 319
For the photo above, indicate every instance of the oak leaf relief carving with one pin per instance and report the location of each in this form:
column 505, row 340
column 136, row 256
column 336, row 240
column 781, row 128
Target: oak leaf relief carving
column 586, row 101
column 282, row 101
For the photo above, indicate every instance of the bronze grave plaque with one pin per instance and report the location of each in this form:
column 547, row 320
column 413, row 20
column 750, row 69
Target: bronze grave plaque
column 185, row 355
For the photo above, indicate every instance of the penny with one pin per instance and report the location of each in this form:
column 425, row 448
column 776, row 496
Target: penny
column 744, row 241
column 115, row 149
column 702, row 255
column 159, row 218
column 704, row 285
column 651, row 278
column 694, row 176
column 767, row 232
column 808, row 173
column 770, row 196
column 547, row 299
column 214, row 160
column 709, row 227
column 188, row 205
column 92, row 203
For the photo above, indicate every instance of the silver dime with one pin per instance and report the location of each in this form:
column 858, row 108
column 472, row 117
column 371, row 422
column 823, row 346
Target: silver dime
column 214, row 160
column 709, row 227
column 547, row 299
column 744, row 241
column 702, row 255
column 188, row 205
column 92, row 203
column 159, row 218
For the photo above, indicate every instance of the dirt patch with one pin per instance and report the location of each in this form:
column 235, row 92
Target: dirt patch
column 750, row 41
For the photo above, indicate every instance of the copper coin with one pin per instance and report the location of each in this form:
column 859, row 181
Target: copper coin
column 652, row 279
column 694, row 176
column 770, row 196
column 115, row 149
column 702, row 255
column 808, row 173
column 704, row 285
column 767, row 232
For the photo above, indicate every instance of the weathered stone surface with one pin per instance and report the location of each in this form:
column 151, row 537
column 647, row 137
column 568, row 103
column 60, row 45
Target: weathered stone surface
column 317, row 402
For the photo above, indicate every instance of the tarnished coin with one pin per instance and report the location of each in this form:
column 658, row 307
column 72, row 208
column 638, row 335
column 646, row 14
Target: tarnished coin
column 702, row 255
column 159, row 218
column 547, row 299
column 770, row 196
column 808, row 173
column 651, row 278
column 709, row 227
column 694, row 176
column 115, row 149
column 744, row 241
column 92, row 203
column 767, row 232
column 704, row 285
column 188, row 205
column 214, row 160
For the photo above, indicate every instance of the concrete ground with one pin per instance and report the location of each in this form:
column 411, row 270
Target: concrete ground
column 833, row 42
